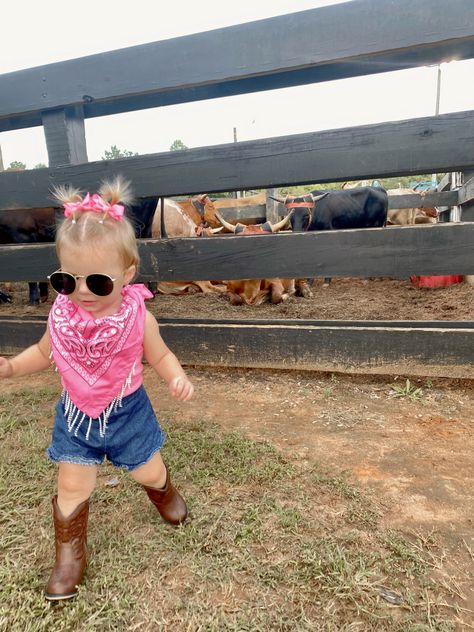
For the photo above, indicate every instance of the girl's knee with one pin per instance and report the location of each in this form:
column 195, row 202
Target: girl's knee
column 76, row 480
column 152, row 473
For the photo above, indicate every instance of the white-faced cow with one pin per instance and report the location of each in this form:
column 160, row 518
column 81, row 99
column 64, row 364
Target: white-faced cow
column 338, row 209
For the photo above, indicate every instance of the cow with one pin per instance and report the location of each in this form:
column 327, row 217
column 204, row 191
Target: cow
column 21, row 226
column 410, row 216
column 177, row 223
column 259, row 199
column 256, row 291
column 38, row 225
column 201, row 210
column 336, row 209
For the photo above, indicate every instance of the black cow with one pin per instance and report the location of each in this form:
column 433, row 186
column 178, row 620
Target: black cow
column 338, row 209
column 33, row 226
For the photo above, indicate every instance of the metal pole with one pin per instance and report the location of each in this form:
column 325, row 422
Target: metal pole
column 434, row 176
column 438, row 90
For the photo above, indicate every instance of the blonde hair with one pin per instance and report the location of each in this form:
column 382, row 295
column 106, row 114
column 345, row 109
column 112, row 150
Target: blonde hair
column 99, row 230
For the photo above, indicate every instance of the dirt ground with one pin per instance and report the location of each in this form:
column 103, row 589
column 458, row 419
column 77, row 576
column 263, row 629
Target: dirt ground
column 344, row 299
column 412, row 451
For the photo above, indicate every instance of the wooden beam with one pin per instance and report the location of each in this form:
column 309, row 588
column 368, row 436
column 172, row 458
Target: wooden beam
column 65, row 136
column 466, row 192
column 420, row 200
column 271, row 207
column 425, row 145
column 397, row 251
column 441, row 349
column 344, row 40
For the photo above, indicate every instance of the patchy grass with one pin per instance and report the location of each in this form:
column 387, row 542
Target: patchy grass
column 269, row 545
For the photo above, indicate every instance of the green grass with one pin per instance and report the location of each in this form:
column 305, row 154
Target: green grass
column 269, row 545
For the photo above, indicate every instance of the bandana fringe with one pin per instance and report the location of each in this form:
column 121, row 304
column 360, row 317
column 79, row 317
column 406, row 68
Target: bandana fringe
column 72, row 412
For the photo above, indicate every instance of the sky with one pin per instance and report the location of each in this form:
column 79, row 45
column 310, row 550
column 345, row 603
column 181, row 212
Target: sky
column 50, row 35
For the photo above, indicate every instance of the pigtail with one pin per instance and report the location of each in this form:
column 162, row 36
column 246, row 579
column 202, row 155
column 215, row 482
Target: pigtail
column 66, row 193
column 116, row 190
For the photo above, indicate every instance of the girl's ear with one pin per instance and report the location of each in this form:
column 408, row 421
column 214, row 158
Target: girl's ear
column 130, row 274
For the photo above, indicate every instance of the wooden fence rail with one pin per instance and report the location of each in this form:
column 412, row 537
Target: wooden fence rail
column 393, row 252
column 424, row 145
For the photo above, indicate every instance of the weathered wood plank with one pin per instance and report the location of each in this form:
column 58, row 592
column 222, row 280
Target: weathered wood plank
column 398, row 251
column 425, row 145
column 466, row 192
column 65, row 136
column 409, row 348
column 259, row 55
column 419, row 200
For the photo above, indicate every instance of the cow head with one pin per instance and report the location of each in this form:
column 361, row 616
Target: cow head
column 302, row 209
column 204, row 206
column 254, row 229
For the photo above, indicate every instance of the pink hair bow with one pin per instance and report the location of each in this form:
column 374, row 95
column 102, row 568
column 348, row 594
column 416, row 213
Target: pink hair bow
column 96, row 204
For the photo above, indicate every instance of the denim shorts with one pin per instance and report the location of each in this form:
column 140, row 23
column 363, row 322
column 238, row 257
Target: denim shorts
column 131, row 438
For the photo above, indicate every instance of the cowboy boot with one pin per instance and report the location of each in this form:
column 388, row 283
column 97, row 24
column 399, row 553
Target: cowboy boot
column 168, row 501
column 71, row 552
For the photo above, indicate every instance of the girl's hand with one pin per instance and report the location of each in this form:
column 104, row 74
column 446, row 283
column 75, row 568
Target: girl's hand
column 181, row 388
column 6, row 369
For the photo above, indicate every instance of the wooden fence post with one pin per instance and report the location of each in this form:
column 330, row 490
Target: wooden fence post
column 272, row 207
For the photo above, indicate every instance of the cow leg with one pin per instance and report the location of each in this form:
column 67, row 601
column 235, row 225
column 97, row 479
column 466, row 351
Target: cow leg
column 235, row 299
column 43, row 292
column 277, row 290
column 5, row 298
column 326, row 282
column 34, row 295
column 303, row 289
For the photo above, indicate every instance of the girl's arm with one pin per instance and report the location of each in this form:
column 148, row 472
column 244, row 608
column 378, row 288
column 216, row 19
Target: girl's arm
column 164, row 362
column 31, row 360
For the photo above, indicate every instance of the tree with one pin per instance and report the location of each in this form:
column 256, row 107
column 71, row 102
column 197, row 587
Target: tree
column 114, row 152
column 17, row 165
column 40, row 165
column 177, row 145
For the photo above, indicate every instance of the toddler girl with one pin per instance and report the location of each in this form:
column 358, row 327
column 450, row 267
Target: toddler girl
column 98, row 330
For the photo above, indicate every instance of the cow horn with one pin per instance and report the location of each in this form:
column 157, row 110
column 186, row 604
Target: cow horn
column 279, row 225
column 316, row 198
column 216, row 230
column 281, row 200
column 227, row 225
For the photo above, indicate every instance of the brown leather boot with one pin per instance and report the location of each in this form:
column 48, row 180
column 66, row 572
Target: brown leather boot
column 71, row 552
column 168, row 501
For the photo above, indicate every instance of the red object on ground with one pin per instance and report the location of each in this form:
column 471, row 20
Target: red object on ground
column 436, row 281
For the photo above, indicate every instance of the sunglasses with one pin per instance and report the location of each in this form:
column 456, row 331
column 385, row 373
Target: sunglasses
column 65, row 283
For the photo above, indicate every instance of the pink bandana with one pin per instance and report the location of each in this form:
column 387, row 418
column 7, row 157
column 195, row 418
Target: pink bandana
column 99, row 359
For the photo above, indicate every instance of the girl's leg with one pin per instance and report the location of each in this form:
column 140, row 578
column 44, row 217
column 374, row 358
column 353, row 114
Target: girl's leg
column 155, row 479
column 152, row 473
column 75, row 484
column 70, row 515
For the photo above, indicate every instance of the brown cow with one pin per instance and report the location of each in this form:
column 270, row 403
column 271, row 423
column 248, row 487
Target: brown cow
column 409, row 216
column 179, row 224
column 200, row 209
column 256, row 291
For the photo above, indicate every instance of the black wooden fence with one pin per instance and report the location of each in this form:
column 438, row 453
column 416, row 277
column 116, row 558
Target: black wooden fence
column 345, row 40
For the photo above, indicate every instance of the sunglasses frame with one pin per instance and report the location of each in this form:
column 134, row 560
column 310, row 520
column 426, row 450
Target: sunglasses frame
column 76, row 277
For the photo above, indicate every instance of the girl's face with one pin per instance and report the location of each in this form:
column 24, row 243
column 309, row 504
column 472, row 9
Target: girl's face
column 82, row 261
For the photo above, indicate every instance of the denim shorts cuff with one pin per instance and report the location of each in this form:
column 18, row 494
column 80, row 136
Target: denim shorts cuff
column 130, row 468
column 65, row 458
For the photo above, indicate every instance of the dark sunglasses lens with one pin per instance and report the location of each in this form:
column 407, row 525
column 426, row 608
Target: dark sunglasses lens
column 100, row 284
column 62, row 282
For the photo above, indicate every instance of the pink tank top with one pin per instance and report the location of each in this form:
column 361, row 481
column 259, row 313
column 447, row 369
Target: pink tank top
column 100, row 361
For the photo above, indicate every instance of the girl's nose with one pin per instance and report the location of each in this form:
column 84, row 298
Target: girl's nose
column 81, row 286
